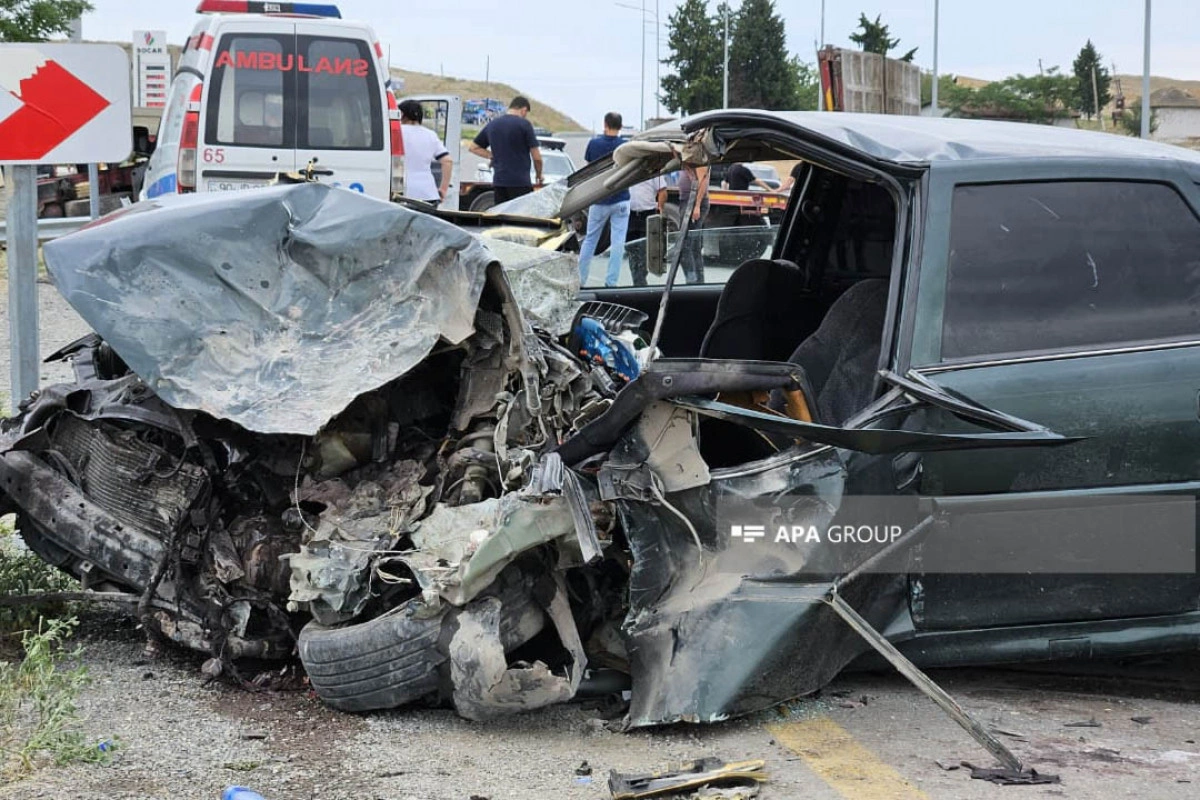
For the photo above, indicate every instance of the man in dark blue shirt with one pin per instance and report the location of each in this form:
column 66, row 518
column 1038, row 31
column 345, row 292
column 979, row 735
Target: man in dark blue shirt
column 613, row 209
column 510, row 143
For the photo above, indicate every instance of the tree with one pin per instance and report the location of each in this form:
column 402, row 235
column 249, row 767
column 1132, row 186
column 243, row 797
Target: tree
column 38, row 20
column 808, row 84
column 761, row 73
column 874, row 37
column 946, row 84
column 1086, row 64
column 1131, row 120
column 1036, row 98
column 695, row 43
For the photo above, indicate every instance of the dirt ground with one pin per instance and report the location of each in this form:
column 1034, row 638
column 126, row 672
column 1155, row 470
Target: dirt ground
column 865, row 736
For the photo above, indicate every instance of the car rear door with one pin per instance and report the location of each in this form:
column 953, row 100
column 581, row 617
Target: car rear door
column 340, row 110
column 248, row 111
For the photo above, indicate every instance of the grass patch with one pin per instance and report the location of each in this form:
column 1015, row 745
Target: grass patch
column 39, row 720
column 40, row 679
column 22, row 572
column 242, row 766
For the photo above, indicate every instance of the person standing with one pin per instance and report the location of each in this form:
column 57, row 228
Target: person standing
column 645, row 198
column 613, row 209
column 792, row 177
column 693, row 195
column 422, row 148
column 739, row 178
column 510, row 143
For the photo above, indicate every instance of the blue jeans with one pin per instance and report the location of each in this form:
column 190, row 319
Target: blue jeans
column 598, row 216
column 692, row 260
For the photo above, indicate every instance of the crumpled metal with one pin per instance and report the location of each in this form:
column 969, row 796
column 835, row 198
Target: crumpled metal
column 273, row 308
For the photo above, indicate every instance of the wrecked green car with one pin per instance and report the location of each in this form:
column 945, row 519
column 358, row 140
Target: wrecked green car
column 313, row 423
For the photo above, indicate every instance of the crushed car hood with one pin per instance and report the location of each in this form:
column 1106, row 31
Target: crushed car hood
column 275, row 308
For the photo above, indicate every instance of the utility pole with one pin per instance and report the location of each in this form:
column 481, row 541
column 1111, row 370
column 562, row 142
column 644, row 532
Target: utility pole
column 642, row 88
column 1146, row 79
column 1096, row 97
column 934, row 95
column 725, row 87
column 657, row 61
column 820, row 90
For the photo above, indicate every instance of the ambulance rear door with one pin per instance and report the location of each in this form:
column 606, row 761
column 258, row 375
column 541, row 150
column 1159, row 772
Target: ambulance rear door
column 248, row 116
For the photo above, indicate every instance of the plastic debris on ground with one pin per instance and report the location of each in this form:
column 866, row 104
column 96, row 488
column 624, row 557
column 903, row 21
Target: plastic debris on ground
column 699, row 775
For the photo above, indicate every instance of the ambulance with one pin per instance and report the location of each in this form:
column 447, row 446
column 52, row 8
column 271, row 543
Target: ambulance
column 264, row 88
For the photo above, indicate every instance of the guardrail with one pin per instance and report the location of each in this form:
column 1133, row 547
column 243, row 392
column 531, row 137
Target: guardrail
column 50, row 227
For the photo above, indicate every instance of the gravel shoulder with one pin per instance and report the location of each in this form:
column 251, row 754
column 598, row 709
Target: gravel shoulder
column 58, row 324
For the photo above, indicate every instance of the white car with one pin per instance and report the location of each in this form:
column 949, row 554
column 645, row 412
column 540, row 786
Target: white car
column 264, row 88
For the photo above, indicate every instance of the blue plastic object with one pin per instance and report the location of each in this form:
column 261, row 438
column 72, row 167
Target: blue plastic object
column 600, row 346
column 240, row 793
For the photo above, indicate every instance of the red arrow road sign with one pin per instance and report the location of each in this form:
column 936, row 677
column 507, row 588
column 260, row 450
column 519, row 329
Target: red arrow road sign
column 55, row 104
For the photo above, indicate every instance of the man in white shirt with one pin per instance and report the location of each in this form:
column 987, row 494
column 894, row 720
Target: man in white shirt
column 645, row 199
column 422, row 148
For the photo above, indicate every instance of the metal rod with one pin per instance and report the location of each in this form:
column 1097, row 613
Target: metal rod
column 934, row 97
column 922, row 681
column 22, row 282
column 908, row 539
column 1146, row 79
column 93, row 190
column 666, row 295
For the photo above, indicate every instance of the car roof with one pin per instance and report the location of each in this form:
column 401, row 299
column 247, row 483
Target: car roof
column 923, row 140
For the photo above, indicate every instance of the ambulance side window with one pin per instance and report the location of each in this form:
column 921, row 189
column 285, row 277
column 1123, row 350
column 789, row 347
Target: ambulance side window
column 250, row 79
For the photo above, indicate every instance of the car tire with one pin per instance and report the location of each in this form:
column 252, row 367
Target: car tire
column 396, row 659
column 483, row 202
column 385, row 662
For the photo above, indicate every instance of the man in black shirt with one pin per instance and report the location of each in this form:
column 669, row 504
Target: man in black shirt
column 740, row 177
column 794, row 176
column 510, row 143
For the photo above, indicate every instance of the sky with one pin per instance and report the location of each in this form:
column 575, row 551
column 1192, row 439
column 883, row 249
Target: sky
column 584, row 57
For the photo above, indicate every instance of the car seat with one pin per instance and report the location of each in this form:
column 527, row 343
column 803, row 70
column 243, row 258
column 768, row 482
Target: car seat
column 765, row 308
column 841, row 357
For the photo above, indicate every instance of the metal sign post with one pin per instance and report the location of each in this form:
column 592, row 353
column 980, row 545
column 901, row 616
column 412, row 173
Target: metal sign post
column 22, row 280
column 59, row 104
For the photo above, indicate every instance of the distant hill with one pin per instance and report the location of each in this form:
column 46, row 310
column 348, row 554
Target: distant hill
column 541, row 115
column 1132, row 86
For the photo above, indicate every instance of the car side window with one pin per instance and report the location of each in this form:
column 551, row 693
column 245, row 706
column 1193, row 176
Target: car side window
column 1072, row 265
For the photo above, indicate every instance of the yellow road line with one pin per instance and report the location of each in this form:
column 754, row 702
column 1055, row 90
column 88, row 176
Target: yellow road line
column 837, row 758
